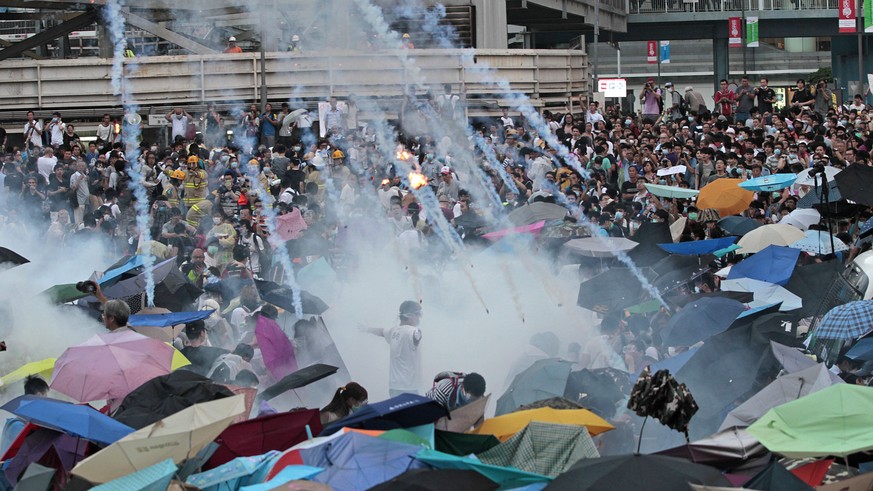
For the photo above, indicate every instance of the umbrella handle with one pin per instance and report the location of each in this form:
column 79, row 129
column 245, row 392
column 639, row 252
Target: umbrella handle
column 640, row 438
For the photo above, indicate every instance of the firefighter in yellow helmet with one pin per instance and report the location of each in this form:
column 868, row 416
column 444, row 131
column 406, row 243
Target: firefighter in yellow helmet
column 196, row 184
column 173, row 192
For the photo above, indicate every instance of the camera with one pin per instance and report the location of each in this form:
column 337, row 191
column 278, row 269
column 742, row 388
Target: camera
column 86, row 286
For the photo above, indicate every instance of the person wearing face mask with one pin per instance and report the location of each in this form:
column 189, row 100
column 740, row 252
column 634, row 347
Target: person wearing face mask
column 456, row 389
column 346, row 400
column 225, row 232
column 196, row 183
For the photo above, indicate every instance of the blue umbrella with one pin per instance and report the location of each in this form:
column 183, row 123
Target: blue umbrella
column 241, row 471
column 846, row 322
column 507, row 477
column 775, row 264
column 737, row 225
column 286, row 475
column 153, row 478
column 701, row 319
column 773, row 182
column 171, row 319
column 542, row 380
column 698, row 247
column 672, row 364
column 403, row 411
column 80, row 421
column 112, row 275
column 862, row 350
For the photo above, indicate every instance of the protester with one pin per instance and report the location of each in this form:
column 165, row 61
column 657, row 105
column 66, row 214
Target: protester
column 405, row 358
column 33, row 386
column 346, row 400
column 455, row 389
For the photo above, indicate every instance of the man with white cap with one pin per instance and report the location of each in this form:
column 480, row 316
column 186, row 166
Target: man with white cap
column 231, row 46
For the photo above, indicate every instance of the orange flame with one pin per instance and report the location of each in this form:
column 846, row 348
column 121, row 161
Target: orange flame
column 403, row 155
column 417, row 180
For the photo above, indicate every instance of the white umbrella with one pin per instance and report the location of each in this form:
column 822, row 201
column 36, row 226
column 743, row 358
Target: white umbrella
column 677, row 227
column 600, row 246
column 818, row 242
column 774, row 234
column 802, row 218
column 765, row 293
column 669, row 171
column 804, row 179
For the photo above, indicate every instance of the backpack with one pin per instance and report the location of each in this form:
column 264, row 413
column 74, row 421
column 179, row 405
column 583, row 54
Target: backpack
column 683, row 105
column 456, row 378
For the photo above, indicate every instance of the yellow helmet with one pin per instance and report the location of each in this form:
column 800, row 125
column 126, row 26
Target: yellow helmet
column 338, row 154
column 178, row 174
column 254, row 162
column 405, row 35
column 193, row 159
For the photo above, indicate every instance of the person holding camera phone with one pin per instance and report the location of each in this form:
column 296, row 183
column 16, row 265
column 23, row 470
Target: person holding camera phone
column 650, row 99
column 823, row 99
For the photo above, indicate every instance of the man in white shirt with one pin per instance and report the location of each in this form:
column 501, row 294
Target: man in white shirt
column 403, row 340
column 105, row 132
column 593, row 116
column 45, row 165
column 179, row 118
column 56, row 130
column 33, row 130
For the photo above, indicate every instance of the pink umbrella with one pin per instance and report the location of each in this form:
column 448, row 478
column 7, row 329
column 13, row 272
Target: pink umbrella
column 290, row 224
column 276, row 348
column 533, row 228
column 110, row 366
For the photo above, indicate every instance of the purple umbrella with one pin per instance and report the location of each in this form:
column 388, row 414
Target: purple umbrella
column 276, row 348
column 52, row 448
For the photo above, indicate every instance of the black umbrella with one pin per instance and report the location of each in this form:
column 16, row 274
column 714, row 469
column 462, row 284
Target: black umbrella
column 661, row 397
column 856, row 183
column 437, row 480
column 688, row 264
column 649, row 235
column 595, row 389
column 680, row 300
column 534, row 212
column 816, row 195
column 634, row 473
column 8, row 256
column 777, row 478
column 699, row 320
column 614, row 289
column 298, row 379
column 736, row 225
column 542, row 380
column 166, row 395
column 811, row 283
column 283, row 297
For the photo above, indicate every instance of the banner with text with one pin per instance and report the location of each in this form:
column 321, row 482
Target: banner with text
column 735, row 32
column 652, row 51
column 847, row 16
column 868, row 15
column 665, row 51
column 752, row 32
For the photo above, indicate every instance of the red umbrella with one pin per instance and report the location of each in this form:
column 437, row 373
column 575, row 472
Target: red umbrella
column 260, row 435
column 290, row 225
column 814, row 472
column 276, row 348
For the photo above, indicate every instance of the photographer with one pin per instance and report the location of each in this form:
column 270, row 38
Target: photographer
column 765, row 96
column 650, row 100
column 823, row 98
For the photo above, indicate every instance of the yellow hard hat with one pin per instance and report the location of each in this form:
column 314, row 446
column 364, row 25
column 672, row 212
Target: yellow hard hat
column 254, row 162
column 193, row 159
column 178, row 174
column 338, row 154
column 405, row 35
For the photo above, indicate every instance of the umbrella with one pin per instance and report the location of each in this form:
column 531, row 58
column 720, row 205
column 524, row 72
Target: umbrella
column 177, row 437
column 841, row 425
column 600, row 246
column 80, row 421
column 437, row 480
column 241, row 471
column 533, row 228
column 773, row 182
column 544, row 379
column 765, row 293
column 293, row 116
column 170, row 319
column 36, row 478
column 672, row 170
column 672, row 364
column 699, row 320
column 801, row 218
column 864, row 482
column 503, row 427
column 856, row 183
column 63, row 293
column 43, row 368
column 773, row 234
column 137, row 284
column 726, row 196
column 661, row 397
column 276, row 348
column 260, row 435
column 671, row 191
column 812, row 283
column 773, row 264
column 116, row 271
column 624, row 289
column 846, row 322
column 816, row 196
column 402, row 411
column 506, row 477
column 463, row 443
column 283, row 297
column 543, row 448
column 12, row 257
column 788, row 387
column 167, row 395
column 683, row 299
column 298, row 379
column 818, row 242
column 776, row 478
column 291, row 473
column 698, row 247
column 725, row 449
column 806, row 179
column 465, row 417
column 597, row 389
column 110, row 366
column 684, row 265
column 152, row 478
column 677, row 228
column 862, row 350
column 289, row 225
column 46, row 446
column 649, row 235
column 740, row 226
column 635, row 472
column 535, row 212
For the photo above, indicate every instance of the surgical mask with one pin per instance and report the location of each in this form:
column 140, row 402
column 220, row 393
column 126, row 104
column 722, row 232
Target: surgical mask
column 429, row 156
column 627, row 122
column 690, row 119
column 696, row 289
column 234, row 164
column 692, row 216
column 297, row 148
column 216, row 220
column 778, row 151
column 844, row 122
column 267, row 170
column 618, row 216
column 212, row 250
column 225, row 158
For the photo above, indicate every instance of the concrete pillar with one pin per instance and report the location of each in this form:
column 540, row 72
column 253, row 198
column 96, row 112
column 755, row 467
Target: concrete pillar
column 491, row 25
column 104, row 42
column 720, row 61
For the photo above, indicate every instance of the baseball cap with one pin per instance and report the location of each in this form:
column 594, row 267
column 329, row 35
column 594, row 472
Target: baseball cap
column 446, row 170
column 650, row 80
column 231, row 39
column 668, row 84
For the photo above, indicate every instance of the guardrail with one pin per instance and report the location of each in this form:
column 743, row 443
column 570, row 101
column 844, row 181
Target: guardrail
column 679, row 6
column 555, row 76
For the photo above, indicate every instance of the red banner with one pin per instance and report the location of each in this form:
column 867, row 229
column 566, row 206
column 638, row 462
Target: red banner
column 735, row 32
column 652, row 52
column 847, row 16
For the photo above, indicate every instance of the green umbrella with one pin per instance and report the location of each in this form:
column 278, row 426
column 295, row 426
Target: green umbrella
column 832, row 421
column 64, row 293
column 507, row 477
column 543, row 448
column 671, row 191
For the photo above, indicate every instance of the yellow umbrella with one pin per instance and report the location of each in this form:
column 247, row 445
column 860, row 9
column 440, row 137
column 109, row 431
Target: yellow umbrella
column 726, row 196
column 178, row 437
column 179, row 360
column 43, row 368
column 503, row 427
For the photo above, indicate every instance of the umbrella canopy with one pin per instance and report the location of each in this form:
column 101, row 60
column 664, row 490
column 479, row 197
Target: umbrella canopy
column 773, row 182
column 260, row 435
column 544, row 379
column 276, row 348
column 463, row 443
column 740, row 226
column 856, row 183
column 50, row 447
column 600, row 246
column 764, row 293
column 36, row 478
column 298, row 379
column 635, row 472
column 698, row 247
column 597, row 389
column 671, row 191
column 166, row 395
column 818, row 243
column 786, row 388
column 80, row 421
column 11, row 257
column 152, row 478
column 170, row 319
column 682, row 299
column 438, row 480
column 290, row 225
column 774, row 234
column 43, row 368
column 465, row 417
column 612, row 290
column 287, row 475
column 725, row 449
column 801, row 218
column 283, row 297
column 120, row 269
column 699, row 320
column 811, row 283
column 862, row 350
column 841, row 425
column 773, row 264
column 506, row 477
column 403, row 411
column 536, row 212
column 137, row 284
column 846, row 322
column 726, row 196
column 177, row 437
column 776, row 478
column 503, row 427
column 815, row 197
column 543, row 448
column 533, row 228
column 241, row 471
column 110, row 366
column 864, row 482
column 806, row 179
